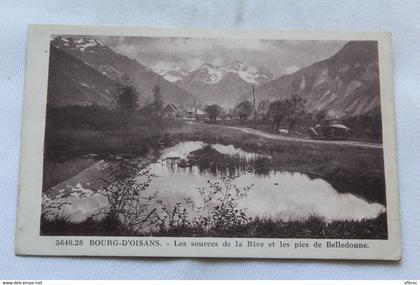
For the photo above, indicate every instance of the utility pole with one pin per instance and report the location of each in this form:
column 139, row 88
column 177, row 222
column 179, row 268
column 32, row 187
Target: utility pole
column 255, row 109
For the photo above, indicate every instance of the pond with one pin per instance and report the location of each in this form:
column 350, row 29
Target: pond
column 282, row 195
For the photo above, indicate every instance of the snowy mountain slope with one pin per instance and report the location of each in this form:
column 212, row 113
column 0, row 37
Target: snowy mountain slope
column 173, row 75
column 212, row 74
column 222, row 84
column 71, row 82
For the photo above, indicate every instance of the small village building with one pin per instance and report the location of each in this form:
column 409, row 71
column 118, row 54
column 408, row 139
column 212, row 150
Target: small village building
column 170, row 111
column 190, row 111
column 183, row 112
column 200, row 115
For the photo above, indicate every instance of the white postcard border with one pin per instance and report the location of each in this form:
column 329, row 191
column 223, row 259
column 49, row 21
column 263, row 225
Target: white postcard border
column 28, row 239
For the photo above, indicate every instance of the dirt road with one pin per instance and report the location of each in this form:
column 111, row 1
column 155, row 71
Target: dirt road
column 295, row 139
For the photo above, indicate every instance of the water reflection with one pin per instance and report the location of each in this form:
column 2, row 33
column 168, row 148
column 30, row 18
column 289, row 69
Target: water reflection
column 277, row 194
column 187, row 166
column 183, row 149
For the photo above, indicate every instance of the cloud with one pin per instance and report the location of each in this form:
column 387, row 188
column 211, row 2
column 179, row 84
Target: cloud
column 217, row 61
column 161, row 65
column 194, row 63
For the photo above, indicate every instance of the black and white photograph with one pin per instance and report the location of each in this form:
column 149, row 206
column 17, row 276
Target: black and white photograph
column 195, row 138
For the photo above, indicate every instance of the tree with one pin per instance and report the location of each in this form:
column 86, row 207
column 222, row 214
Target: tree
column 126, row 97
column 262, row 110
column 277, row 111
column 157, row 101
column 296, row 110
column 224, row 114
column 213, row 111
column 243, row 110
column 126, row 100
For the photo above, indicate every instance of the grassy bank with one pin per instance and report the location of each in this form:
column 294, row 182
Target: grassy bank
column 366, row 128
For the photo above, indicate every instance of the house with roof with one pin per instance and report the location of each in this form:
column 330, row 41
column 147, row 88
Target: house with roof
column 183, row 112
column 170, row 111
column 200, row 115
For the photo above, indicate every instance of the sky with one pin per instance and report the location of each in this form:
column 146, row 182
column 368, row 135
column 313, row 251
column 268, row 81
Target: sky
column 279, row 56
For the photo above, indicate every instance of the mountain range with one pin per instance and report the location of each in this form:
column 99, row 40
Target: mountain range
column 220, row 84
column 345, row 85
column 85, row 71
column 115, row 66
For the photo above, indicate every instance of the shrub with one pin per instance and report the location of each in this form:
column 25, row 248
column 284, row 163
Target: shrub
column 125, row 186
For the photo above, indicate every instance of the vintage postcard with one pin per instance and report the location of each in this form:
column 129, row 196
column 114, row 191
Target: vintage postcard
column 208, row 143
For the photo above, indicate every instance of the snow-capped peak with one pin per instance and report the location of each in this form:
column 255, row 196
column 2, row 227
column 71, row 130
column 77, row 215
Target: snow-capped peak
column 212, row 74
column 172, row 75
column 237, row 65
column 76, row 43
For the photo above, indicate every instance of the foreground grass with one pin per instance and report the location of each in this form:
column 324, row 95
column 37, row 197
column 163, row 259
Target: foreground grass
column 313, row 227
